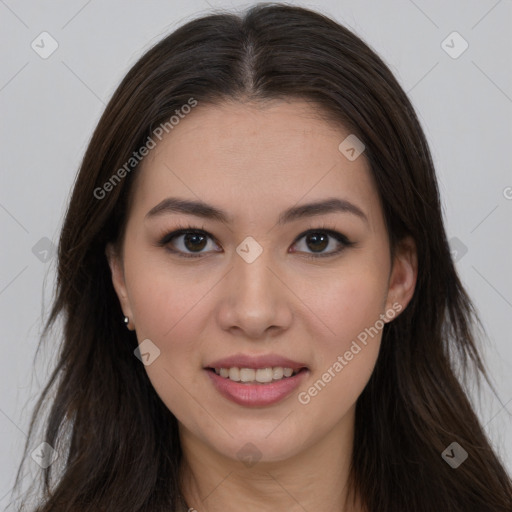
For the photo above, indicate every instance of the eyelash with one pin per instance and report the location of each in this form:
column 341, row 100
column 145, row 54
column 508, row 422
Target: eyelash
column 182, row 229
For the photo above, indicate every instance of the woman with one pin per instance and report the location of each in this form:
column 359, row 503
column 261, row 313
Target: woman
column 260, row 308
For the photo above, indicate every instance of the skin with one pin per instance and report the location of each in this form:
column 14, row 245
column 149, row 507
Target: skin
column 255, row 161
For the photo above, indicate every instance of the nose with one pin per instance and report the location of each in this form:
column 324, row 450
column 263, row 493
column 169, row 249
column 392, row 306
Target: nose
column 255, row 300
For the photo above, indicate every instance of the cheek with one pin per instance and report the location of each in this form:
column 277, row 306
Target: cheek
column 360, row 304
column 170, row 308
column 347, row 347
column 162, row 296
column 165, row 306
column 342, row 304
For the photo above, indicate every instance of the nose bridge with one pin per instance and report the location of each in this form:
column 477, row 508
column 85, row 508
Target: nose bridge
column 251, row 274
column 255, row 297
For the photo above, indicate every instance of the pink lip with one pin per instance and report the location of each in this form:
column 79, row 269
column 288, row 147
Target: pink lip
column 254, row 362
column 254, row 395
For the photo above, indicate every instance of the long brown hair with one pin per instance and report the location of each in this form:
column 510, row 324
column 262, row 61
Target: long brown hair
column 118, row 443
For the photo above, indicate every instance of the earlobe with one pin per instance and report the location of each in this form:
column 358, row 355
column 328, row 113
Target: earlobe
column 118, row 280
column 404, row 274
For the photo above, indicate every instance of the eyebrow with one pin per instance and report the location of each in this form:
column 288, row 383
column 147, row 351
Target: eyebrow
column 207, row 211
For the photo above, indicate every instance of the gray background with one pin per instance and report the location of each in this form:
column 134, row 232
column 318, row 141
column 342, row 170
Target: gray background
column 49, row 108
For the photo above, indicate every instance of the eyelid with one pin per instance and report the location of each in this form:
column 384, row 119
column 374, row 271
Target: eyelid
column 322, row 228
column 331, row 231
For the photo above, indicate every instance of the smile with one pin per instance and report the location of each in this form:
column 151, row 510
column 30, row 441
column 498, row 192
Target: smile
column 261, row 375
column 256, row 387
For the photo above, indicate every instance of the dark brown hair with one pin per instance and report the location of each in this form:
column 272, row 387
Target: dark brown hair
column 118, row 443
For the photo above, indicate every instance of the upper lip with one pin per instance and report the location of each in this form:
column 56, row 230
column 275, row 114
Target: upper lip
column 255, row 362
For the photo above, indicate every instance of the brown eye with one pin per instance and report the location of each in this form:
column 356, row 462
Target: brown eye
column 189, row 243
column 316, row 241
column 194, row 241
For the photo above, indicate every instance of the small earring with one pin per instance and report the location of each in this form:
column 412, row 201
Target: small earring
column 126, row 321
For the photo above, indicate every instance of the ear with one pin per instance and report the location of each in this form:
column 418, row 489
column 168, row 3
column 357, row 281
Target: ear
column 402, row 280
column 116, row 267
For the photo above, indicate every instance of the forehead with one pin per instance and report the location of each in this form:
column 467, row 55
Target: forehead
column 254, row 157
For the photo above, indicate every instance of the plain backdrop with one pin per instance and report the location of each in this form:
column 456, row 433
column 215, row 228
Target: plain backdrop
column 460, row 85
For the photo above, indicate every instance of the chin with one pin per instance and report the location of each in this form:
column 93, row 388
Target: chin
column 251, row 446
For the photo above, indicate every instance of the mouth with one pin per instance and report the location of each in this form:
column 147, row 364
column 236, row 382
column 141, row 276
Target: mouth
column 256, row 387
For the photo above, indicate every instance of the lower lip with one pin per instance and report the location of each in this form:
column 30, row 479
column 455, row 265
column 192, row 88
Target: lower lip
column 255, row 395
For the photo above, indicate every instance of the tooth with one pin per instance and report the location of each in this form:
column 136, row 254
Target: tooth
column 277, row 372
column 264, row 375
column 234, row 374
column 247, row 374
column 261, row 375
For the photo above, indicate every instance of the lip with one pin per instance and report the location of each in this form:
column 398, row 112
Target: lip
column 255, row 362
column 256, row 395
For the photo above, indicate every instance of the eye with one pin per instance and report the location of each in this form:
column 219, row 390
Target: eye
column 318, row 239
column 189, row 238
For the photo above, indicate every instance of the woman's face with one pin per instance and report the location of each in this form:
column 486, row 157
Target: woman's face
column 253, row 287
